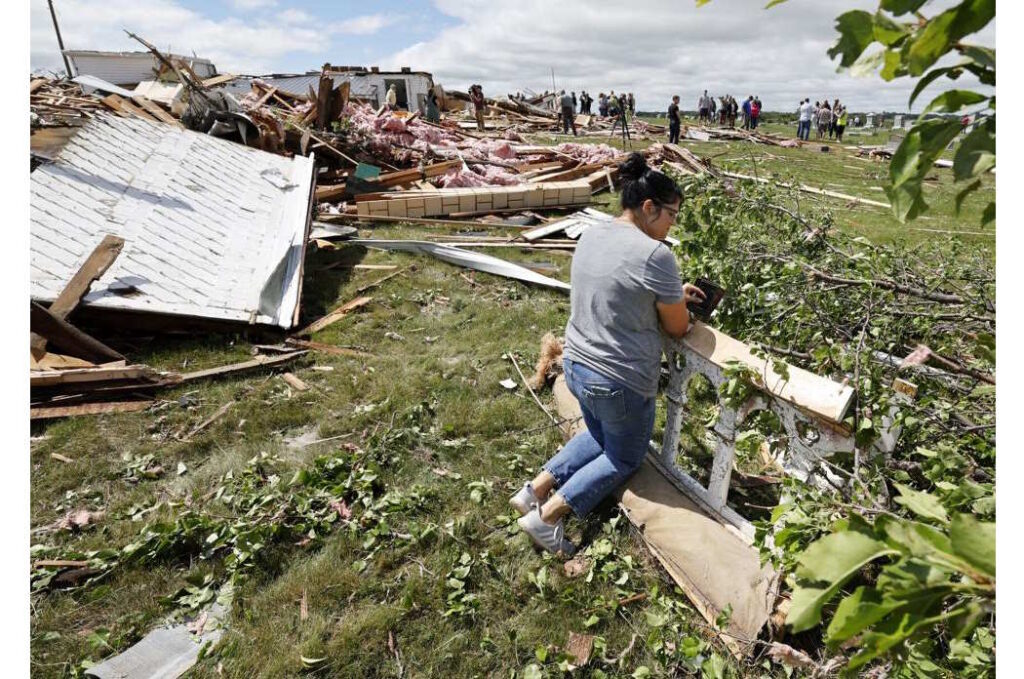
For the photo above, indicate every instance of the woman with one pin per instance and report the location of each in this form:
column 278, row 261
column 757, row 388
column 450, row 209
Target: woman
column 626, row 289
column 824, row 119
column 840, row 124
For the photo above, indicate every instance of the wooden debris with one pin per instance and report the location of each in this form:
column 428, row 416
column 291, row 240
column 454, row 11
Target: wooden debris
column 95, row 266
column 480, row 200
column 580, row 646
column 326, row 348
column 62, row 458
column 258, row 362
column 66, row 337
column 219, row 413
column 294, row 382
column 334, row 316
column 44, row 412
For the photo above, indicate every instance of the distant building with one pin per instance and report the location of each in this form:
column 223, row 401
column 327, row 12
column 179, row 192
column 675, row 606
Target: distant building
column 369, row 85
column 129, row 68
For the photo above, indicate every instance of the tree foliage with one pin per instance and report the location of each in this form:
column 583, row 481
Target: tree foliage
column 911, row 45
column 897, row 563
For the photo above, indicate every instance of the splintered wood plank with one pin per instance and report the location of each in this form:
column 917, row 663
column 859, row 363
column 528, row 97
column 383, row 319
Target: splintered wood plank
column 219, row 79
column 326, row 348
column 68, row 338
column 95, row 266
column 50, row 411
column 258, row 362
column 334, row 316
column 294, row 382
column 157, row 112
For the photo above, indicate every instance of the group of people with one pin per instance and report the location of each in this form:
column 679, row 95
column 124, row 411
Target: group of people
column 611, row 105
column 827, row 119
column 726, row 110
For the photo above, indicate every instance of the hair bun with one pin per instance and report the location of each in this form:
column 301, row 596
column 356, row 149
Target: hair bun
column 634, row 166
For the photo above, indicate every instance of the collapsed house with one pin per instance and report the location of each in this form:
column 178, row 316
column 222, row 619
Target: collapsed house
column 366, row 85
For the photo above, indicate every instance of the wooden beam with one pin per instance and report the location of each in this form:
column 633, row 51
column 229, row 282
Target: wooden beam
column 219, row 79
column 334, row 316
column 95, row 266
column 326, row 348
column 50, row 411
column 258, row 362
column 67, row 338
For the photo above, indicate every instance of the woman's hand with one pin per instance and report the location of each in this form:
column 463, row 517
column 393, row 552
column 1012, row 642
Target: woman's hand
column 691, row 293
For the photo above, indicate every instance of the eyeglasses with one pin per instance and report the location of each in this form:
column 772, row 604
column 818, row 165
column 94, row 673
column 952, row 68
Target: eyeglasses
column 674, row 212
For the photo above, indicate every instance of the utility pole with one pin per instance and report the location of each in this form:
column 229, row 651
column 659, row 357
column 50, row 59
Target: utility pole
column 60, row 41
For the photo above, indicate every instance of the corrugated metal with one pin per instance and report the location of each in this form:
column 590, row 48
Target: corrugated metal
column 213, row 229
column 128, row 68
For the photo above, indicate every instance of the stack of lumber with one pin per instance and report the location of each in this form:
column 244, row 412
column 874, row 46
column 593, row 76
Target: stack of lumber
column 472, row 201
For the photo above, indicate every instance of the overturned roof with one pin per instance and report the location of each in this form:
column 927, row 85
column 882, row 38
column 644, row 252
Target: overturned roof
column 213, row 229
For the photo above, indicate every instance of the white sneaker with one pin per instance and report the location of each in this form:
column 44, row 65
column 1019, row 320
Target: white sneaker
column 525, row 499
column 550, row 537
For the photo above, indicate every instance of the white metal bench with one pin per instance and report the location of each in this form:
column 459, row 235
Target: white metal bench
column 811, row 409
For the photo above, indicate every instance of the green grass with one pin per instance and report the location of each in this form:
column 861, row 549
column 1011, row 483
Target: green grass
column 456, row 327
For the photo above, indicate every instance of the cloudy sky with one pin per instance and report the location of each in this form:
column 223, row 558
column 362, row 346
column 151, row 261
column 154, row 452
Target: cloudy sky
column 654, row 48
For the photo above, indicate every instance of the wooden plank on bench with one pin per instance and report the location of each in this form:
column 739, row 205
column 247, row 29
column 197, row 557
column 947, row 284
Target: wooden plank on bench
column 817, row 395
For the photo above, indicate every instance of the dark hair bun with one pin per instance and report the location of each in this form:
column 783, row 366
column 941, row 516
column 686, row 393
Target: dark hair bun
column 634, row 167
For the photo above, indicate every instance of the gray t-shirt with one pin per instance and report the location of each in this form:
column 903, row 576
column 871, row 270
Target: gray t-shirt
column 618, row 273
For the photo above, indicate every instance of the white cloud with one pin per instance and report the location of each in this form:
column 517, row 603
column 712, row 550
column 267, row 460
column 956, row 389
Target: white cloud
column 654, row 48
column 295, row 16
column 253, row 4
column 363, row 25
column 233, row 45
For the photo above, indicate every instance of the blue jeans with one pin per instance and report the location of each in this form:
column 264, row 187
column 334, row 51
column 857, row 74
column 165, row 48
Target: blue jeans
column 599, row 459
column 804, row 129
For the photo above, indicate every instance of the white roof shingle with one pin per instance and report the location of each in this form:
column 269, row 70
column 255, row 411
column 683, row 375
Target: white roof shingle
column 212, row 228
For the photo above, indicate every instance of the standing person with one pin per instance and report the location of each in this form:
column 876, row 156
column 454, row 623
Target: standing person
column 602, row 105
column 612, row 354
column 711, row 110
column 824, row 119
column 673, row 121
column 433, row 114
column 476, row 95
column 746, row 111
column 568, row 114
column 573, row 102
column 702, row 108
column 391, row 98
column 806, row 111
column 841, row 124
column 583, row 102
column 815, row 114
column 755, row 112
column 613, row 105
column 835, row 117
column 632, row 104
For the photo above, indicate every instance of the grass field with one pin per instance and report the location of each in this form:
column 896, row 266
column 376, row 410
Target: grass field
column 425, row 416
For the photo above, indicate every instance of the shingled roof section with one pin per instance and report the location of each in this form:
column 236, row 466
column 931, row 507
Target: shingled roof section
column 213, row 229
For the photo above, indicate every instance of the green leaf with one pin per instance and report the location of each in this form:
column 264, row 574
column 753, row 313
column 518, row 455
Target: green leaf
column 899, row 7
column 952, row 101
column 944, row 30
column 983, row 56
column 952, row 72
column 976, row 154
column 887, row 31
column 867, row 605
column 923, row 504
column 961, row 195
column 913, row 160
column 833, row 560
column 856, row 31
column 975, row 542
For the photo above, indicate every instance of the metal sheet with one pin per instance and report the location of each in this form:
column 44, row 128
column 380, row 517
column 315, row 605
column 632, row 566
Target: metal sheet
column 213, row 229
column 470, row 260
column 91, row 82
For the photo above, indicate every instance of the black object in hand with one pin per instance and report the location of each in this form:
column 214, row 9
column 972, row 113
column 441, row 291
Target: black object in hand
column 713, row 294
